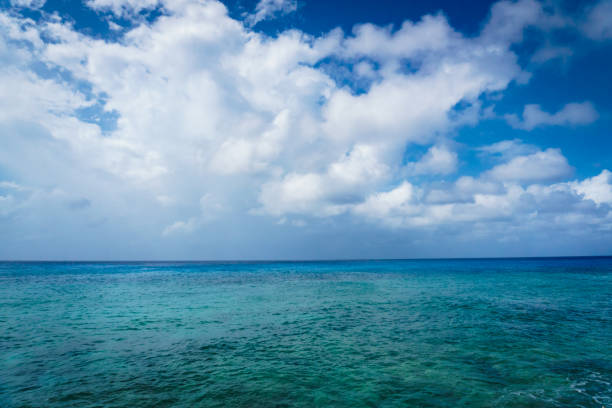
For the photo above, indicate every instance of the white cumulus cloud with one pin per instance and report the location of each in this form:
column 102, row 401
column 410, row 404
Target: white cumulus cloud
column 266, row 9
column 571, row 114
column 547, row 165
column 437, row 160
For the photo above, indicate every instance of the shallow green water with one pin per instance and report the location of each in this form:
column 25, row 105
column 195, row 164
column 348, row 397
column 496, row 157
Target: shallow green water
column 494, row 333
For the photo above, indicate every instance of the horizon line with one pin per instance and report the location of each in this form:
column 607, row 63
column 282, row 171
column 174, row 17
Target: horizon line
column 264, row 260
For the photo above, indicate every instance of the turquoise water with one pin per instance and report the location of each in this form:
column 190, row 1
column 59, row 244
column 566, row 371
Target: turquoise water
column 453, row 333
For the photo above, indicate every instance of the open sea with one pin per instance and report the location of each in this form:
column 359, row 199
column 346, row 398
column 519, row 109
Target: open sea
column 423, row 333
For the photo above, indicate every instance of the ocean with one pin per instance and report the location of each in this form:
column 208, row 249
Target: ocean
column 398, row 333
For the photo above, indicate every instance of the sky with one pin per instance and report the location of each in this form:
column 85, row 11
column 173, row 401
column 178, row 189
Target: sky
column 304, row 129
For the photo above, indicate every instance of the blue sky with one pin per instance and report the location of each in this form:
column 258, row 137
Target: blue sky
column 283, row 129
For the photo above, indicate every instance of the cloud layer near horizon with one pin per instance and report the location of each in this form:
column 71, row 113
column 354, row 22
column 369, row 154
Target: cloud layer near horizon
column 195, row 118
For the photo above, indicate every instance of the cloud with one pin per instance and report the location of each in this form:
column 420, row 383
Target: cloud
column 390, row 206
column 345, row 181
column 266, row 9
column 550, row 53
column 572, row 114
column 32, row 4
column 598, row 23
column 508, row 149
column 437, row 160
column 511, row 207
column 123, row 8
column 210, row 209
column 463, row 190
column 597, row 188
column 547, row 165
column 508, row 20
column 430, row 34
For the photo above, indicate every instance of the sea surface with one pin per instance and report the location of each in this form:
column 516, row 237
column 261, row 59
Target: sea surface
column 426, row 333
